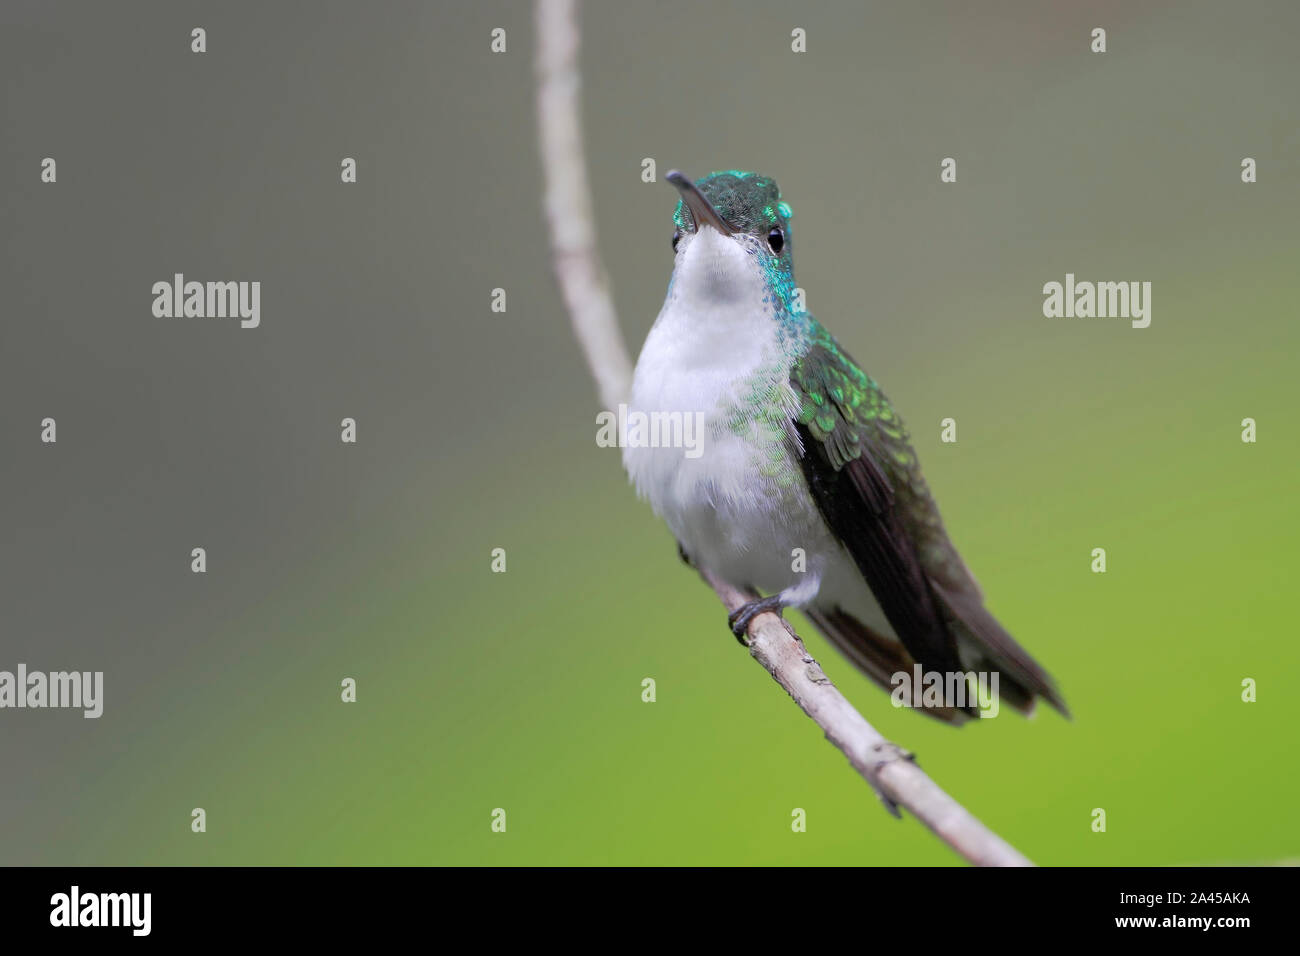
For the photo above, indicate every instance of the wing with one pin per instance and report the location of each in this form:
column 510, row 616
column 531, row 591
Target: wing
column 865, row 478
column 858, row 464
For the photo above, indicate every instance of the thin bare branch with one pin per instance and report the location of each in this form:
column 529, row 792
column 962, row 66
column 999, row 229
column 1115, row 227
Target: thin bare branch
column 568, row 203
column 890, row 769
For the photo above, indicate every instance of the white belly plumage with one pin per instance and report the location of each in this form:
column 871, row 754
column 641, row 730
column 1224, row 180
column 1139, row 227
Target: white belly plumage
column 730, row 518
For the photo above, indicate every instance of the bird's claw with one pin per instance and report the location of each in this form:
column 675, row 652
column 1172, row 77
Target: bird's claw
column 739, row 619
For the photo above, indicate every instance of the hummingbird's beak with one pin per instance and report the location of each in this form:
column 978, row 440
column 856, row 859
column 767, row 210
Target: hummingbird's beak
column 702, row 210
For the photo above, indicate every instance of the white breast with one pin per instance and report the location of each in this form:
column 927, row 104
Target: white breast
column 739, row 507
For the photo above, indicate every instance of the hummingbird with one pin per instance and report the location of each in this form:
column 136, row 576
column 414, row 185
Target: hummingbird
column 807, row 489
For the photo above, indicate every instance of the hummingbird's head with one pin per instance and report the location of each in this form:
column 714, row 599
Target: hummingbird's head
column 732, row 238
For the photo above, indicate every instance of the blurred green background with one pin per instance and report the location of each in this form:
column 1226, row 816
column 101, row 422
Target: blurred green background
column 476, row 429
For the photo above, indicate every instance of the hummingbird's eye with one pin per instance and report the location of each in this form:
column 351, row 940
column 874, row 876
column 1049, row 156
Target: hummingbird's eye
column 776, row 239
column 677, row 237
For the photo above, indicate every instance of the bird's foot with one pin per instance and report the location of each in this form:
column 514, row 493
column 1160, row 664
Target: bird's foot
column 686, row 558
column 739, row 618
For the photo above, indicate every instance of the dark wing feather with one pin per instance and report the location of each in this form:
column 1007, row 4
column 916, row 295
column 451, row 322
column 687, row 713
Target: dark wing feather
column 858, row 504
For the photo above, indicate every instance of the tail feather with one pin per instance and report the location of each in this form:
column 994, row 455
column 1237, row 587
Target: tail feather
column 986, row 645
column 876, row 655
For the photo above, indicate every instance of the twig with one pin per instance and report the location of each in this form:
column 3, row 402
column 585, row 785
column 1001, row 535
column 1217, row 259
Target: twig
column 890, row 769
column 568, row 203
